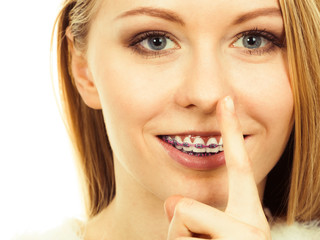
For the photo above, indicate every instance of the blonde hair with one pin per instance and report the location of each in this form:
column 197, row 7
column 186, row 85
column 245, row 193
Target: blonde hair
column 299, row 196
column 302, row 24
column 85, row 125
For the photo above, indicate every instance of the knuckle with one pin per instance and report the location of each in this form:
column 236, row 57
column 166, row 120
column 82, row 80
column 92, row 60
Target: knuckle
column 182, row 206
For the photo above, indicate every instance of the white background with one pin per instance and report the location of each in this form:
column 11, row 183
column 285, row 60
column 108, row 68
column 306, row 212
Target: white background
column 38, row 179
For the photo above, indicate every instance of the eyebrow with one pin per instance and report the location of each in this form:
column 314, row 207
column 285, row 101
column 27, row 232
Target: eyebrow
column 173, row 17
column 257, row 13
column 154, row 12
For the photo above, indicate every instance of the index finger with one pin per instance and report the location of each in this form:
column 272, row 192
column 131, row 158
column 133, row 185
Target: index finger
column 244, row 201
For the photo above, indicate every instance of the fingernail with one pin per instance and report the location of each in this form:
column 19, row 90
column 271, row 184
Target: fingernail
column 229, row 105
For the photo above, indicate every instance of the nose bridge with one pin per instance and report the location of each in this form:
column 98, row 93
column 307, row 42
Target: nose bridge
column 204, row 81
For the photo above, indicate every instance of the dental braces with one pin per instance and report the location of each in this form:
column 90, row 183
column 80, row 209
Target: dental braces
column 184, row 144
column 191, row 153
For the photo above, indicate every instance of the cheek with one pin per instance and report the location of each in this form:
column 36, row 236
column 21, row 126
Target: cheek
column 265, row 99
column 265, row 93
column 131, row 95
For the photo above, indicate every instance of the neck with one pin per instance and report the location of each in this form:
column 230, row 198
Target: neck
column 134, row 213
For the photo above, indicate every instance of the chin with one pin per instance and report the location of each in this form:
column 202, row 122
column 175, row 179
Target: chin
column 212, row 191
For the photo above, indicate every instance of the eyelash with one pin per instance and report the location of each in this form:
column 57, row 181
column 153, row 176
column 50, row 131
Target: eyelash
column 274, row 42
column 137, row 48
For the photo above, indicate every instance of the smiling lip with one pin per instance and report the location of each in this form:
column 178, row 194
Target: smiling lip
column 204, row 163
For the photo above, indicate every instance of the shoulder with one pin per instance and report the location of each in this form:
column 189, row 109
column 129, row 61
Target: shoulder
column 71, row 229
column 296, row 231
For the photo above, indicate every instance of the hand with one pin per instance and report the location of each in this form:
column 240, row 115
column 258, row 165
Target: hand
column 243, row 218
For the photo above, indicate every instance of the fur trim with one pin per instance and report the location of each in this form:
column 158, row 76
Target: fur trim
column 296, row 231
column 72, row 230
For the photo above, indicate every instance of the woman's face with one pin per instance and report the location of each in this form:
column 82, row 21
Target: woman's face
column 160, row 67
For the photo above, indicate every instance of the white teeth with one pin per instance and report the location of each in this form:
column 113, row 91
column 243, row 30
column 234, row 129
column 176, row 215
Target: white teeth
column 178, row 140
column 198, row 145
column 187, row 140
column 212, row 150
column 221, row 144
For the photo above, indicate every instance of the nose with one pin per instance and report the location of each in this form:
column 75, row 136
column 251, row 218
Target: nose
column 203, row 81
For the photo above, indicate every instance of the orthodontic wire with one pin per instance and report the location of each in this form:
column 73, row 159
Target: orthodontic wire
column 184, row 144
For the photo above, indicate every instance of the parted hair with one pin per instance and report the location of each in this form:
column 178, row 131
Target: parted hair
column 293, row 187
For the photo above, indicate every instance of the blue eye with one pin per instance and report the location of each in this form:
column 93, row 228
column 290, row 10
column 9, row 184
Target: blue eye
column 251, row 42
column 157, row 43
column 154, row 44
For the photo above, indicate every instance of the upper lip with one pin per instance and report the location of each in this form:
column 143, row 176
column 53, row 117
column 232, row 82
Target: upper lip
column 196, row 133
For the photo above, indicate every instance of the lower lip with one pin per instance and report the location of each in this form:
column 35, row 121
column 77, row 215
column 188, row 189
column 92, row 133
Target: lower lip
column 194, row 162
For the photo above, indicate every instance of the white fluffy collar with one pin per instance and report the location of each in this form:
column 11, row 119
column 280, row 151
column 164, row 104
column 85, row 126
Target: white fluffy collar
column 71, row 230
column 296, row 231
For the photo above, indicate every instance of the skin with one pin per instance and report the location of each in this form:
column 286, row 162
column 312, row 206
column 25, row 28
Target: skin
column 182, row 90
